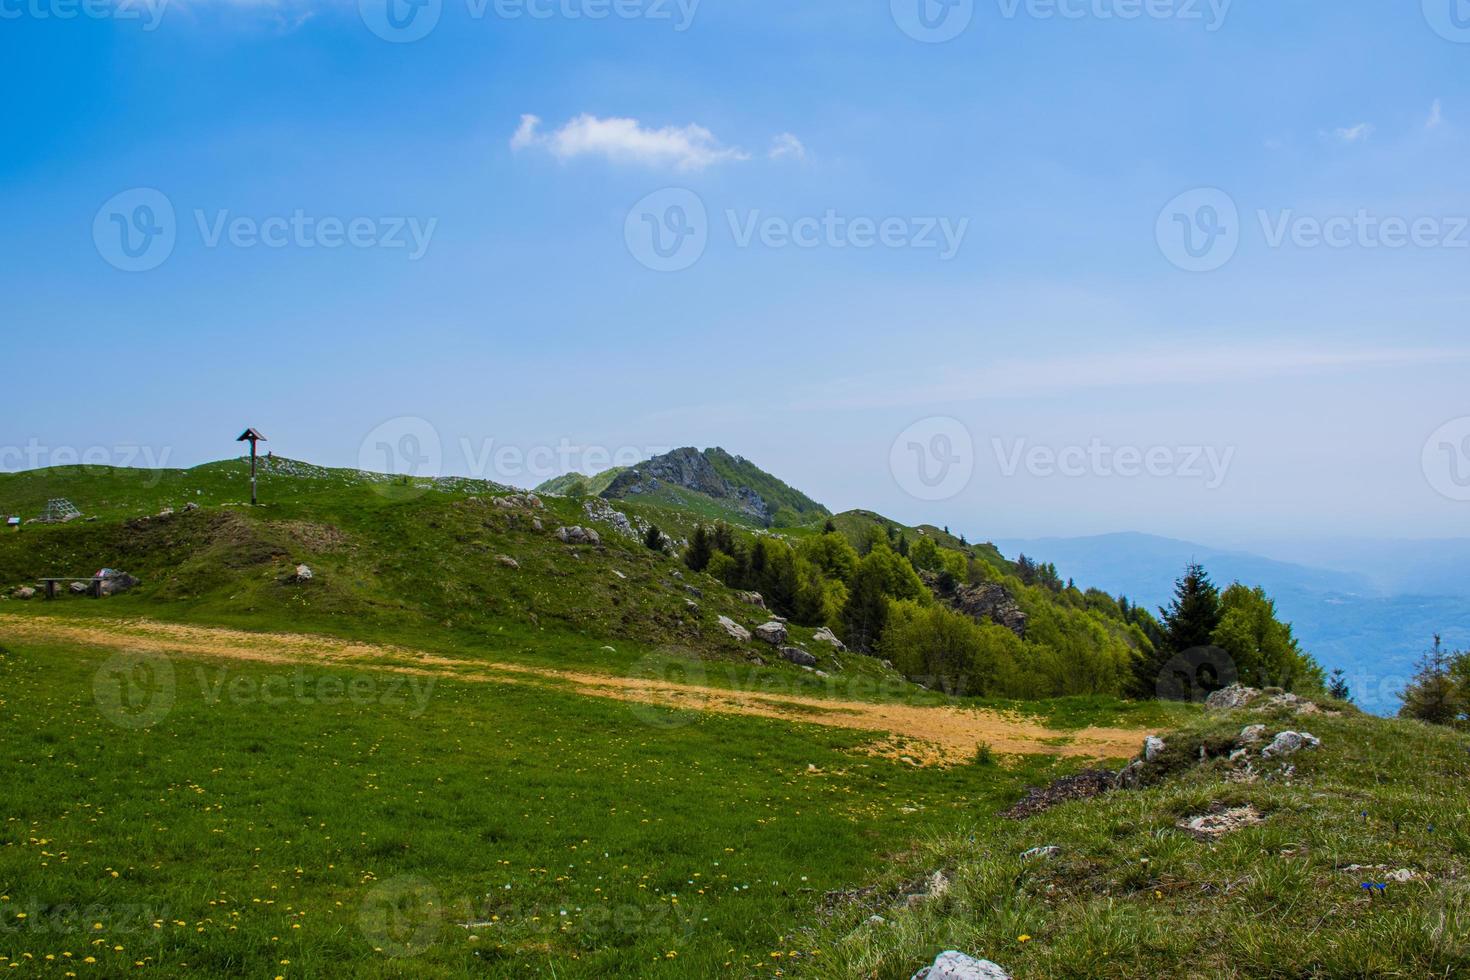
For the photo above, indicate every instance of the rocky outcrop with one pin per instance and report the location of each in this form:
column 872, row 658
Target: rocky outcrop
column 798, row 656
column 824, row 635
column 1213, row 825
column 115, row 582
column 577, row 534
column 953, row 965
column 773, row 633
column 1287, row 743
column 689, row 469
column 734, row 629
column 993, row 602
column 508, row 561
column 24, row 592
column 1234, row 696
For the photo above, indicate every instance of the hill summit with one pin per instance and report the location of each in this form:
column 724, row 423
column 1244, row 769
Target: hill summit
column 714, row 483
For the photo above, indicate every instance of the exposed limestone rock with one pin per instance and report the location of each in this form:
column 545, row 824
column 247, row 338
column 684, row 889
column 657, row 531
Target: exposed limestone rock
column 952, row 965
column 734, row 629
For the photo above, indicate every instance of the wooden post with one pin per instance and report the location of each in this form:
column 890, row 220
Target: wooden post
column 252, row 436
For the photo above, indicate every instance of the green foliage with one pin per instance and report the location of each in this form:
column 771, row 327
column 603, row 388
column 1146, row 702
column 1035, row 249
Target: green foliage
column 1263, row 648
column 830, row 553
column 944, row 650
column 924, row 555
column 865, row 612
column 1440, row 690
column 789, row 506
column 1337, row 686
column 1194, row 613
column 700, row 550
column 653, row 538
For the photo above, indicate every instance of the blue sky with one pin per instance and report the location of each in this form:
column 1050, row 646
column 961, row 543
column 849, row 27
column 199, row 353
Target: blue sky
column 1067, row 157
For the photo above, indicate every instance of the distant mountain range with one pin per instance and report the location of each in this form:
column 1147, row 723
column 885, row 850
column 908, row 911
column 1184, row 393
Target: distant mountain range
column 1349, row 614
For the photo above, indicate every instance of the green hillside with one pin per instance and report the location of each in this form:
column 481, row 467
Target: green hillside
column 468, row 745
column 713, row 484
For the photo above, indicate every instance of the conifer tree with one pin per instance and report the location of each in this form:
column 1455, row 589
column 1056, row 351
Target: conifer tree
column 1192, row 617
column 700, row 549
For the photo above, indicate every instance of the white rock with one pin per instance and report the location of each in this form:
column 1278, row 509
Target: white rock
column 1045, row 851
column 824, row 635
column 1152, row 747
column 1288, row 742
column 734, row 629
column 1251, row 734
column 951, row 965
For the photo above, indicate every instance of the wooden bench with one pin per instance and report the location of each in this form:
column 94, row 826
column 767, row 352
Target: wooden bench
column 94, row 583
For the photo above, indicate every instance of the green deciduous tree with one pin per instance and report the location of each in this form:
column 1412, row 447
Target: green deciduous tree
column 1263, row 647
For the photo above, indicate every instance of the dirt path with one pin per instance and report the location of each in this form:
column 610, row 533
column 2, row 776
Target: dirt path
column 925, row 735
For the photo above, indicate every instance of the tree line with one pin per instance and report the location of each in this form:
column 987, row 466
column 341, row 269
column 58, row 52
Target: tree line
column 887, row 596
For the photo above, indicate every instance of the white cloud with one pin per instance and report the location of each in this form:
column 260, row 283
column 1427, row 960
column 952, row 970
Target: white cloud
column 787, row 145
column 1436, row 115
column 1355, row 134
column 627, row 141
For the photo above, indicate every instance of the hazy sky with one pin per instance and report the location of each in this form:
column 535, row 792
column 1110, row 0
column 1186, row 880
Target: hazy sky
column 1054, row 267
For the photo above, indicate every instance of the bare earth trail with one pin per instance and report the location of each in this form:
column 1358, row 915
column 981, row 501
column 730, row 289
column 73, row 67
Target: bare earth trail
column 927, row 735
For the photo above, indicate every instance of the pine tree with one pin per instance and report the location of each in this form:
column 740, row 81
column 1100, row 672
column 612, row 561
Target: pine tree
column 700, row 549
column 1338, row 687
column 1433, row 695
column 1192, row 617
column 829, row 527
column 654, row 538
column 1189, row 622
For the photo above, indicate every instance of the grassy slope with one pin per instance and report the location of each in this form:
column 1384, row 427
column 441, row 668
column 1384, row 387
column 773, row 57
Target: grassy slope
column 790, row 506
column 600, row 839
column 396, row 563
column 1132, row 896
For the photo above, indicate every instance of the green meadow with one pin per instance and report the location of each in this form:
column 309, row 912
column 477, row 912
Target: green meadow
column 175, row 816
